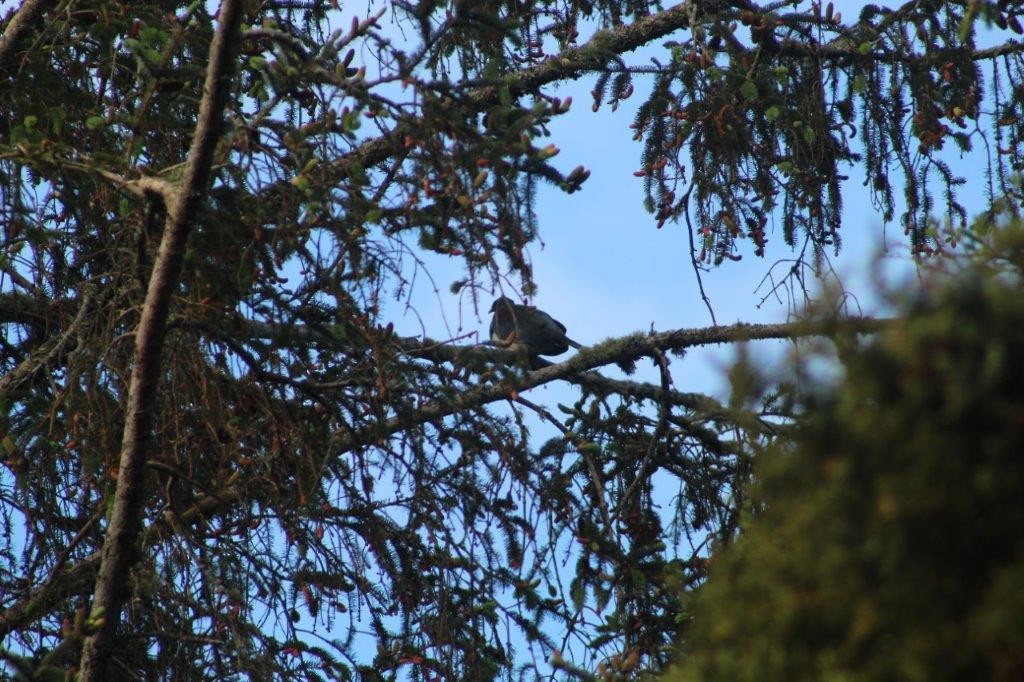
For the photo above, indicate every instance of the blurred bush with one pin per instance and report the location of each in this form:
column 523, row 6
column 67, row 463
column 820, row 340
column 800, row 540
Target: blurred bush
column 887, row 541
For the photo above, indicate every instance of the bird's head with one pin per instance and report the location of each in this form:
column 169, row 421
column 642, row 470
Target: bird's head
column 501, row 301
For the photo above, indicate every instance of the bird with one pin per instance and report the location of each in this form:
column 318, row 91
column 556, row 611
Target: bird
column 525, row 327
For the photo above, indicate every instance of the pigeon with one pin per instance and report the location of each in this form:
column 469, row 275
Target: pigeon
column 525, row 327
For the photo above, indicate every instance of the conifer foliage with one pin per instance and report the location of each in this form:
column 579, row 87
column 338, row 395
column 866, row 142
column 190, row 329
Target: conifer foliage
column 217, row 457
column 889, row 541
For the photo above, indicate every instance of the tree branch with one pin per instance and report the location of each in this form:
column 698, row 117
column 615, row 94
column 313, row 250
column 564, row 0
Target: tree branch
column 122, row 532
column 76, row 578
column 572, row 63
column 575, row 370
column 624, row 349
column 40, row 358
column 21, row 22
column 71, row 581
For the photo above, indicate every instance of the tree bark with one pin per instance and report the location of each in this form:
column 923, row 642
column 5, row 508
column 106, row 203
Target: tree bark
column 21, row 22
column 118, row 552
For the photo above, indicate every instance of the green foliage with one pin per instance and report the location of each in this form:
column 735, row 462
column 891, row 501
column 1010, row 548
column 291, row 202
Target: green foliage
column 308, row 469
column 760, row 118
column 887, row 542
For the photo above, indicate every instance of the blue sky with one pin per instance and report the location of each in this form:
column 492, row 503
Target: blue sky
column 604, row 270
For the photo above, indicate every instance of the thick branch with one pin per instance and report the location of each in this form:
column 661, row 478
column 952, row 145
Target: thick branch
column 625, row 349
column 842, row 49
column 72, row 581
column 42, row 356
column 572, row 63
column 75, row 579
column 122, row 532
column 575, row 370
column 18, row 308
column 21, row 22
column 23, row 309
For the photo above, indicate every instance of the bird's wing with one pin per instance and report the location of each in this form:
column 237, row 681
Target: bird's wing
column 546, row 319
column 561, row 330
